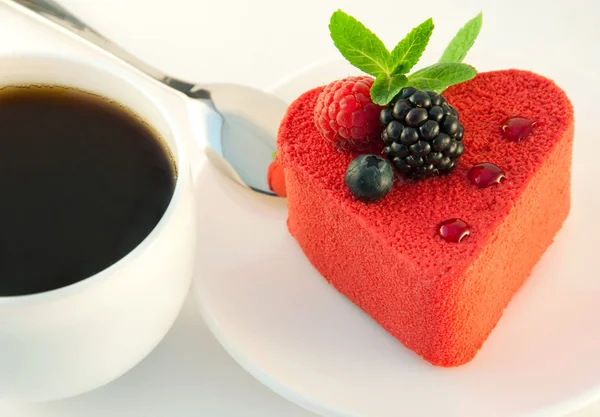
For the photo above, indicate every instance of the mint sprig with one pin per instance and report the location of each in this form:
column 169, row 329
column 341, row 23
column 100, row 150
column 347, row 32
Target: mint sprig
column 438, row 77
column 384, row 89
column 458, row 47
column 363, row 49
column 409, row 50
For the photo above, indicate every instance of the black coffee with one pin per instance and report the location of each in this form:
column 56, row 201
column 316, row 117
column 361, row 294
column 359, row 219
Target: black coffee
column 82, row 183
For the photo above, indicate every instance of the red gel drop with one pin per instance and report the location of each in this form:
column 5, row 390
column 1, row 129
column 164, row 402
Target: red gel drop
column 454, row 230
column 517, row 129
column 486, row 174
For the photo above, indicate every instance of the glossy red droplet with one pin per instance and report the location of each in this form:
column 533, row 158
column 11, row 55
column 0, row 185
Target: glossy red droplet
column 486, row 174
column 454, row 230
column 517, row 129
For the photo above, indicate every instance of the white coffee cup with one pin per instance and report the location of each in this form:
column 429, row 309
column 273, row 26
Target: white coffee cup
column 74, row 339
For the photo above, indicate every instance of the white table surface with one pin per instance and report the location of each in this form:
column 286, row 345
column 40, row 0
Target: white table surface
column 258, row 42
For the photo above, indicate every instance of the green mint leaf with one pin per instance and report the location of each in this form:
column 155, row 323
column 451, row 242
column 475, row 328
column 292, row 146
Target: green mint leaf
column 458, row 48
column 361, row 47
column 438, row 77
column 385, row 88
column 409, row 50
column 274, row 155
column 426, row 84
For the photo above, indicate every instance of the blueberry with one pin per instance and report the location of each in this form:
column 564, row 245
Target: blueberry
column 420, row 99
column 436, row 114
column 441, row 143
column 429, row 129
column 416, row 116
column 369, row 177
column 401, row 107
column 385, row 115
column 409, row 136
column 421, row 148
column 394, row 129
column 450, row 125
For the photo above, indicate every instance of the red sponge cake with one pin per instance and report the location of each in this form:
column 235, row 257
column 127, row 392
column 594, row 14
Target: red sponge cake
column 439, row 299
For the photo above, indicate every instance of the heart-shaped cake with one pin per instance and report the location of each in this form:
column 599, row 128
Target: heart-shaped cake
column 440, row 299
column 426, row 198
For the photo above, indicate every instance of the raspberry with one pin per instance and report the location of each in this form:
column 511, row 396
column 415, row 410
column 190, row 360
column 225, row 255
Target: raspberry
column 346, row 116
column 422, row 133
column 276, row 179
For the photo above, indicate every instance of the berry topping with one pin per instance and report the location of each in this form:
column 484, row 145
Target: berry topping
column 436, row 100
column 276, row 179
column 486, row 174
column 431, row 134
column 420, row 99
column 441, row 142
column 454, row 230
column 429, row 130
column 346, row 116
column 450, row 125
column 400, row 109
column 369, row 177
column 414, row 161
column 421, row 148
column 391, row 68
column 434, row 158
column 409, row 136
column 416, row 117
column 436, row 113
column 385, row 116
column 407, row 92
column 394, row 129
column 517, row 128
column 460, row 133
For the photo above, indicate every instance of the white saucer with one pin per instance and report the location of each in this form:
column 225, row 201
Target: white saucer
column 283, row 323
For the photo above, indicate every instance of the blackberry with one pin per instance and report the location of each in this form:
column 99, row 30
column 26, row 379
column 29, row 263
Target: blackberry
column 422, row 133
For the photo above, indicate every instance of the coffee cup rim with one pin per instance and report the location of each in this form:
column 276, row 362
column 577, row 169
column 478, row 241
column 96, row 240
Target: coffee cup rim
column 181, row 161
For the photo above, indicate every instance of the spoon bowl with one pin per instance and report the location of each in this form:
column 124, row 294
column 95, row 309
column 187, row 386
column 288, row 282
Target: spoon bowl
column 250, row 120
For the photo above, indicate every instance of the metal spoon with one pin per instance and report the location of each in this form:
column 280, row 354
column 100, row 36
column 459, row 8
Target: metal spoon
column 248, row 118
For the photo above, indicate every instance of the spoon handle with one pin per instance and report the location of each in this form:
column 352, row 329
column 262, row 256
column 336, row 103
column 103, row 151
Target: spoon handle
column 60, row 16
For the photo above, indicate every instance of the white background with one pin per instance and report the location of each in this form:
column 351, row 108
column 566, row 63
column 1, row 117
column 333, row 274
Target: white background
column 258, row 43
